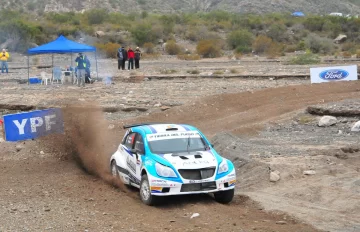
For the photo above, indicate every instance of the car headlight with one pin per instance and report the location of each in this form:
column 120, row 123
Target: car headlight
column 164, row 171
column 223, row 167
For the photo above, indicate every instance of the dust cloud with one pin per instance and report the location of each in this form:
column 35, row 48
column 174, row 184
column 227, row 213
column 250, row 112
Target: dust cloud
column 87, row 141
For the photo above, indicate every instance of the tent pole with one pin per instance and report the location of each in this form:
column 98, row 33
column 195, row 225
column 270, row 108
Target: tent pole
column 28, row 64
column 97, row 72
column 52, row 68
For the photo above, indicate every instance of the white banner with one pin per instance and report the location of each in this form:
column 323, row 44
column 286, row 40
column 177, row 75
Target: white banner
column 330, row 74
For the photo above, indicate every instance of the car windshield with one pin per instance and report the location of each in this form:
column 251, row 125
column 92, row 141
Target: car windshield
column 163, row 143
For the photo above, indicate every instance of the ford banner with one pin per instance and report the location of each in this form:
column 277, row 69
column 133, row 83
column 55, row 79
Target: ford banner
column 33, row 124
column 331, row 74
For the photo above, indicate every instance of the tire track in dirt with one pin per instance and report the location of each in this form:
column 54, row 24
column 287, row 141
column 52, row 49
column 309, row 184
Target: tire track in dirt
column 234, row 112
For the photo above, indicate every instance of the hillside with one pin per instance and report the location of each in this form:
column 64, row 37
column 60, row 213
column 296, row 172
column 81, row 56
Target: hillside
column 168, row 6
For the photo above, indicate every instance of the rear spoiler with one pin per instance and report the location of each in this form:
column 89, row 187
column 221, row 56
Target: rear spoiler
column 143, row 124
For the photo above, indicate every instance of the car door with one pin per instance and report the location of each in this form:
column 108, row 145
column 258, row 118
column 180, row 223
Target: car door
column 139, row 153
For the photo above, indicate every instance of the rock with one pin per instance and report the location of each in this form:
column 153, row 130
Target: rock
column 2, row 140
column 274, row 176
column 172, row 221
column 42, row 153
column 99, row 34
column 356, row 127
column 309, row 172
column 18, row 147
column 281, row 222
column 195, row 215
column 340, row 132
column 111, row 126
column 81, row 99
column 157, row 105
column 163, row 108
column 327, row 121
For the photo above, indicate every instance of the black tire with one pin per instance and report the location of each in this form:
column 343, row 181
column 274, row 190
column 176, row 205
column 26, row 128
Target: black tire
column 145, row 192
column 113, row 169
column 224, row 197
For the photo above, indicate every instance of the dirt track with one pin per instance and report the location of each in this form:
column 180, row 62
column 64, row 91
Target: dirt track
column 48, row 193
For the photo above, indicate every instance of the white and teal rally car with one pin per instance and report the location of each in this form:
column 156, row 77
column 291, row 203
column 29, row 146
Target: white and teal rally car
column 172, row 159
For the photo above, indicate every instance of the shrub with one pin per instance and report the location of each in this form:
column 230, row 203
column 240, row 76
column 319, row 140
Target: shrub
column 208, row 48
column 188, row 57
column 172, row 48
column 241, row 40
column 346, row 54
column 275, row 50
column 276, row 32
column 318, row 44
column 110, row 49
column 233, row 71
column 167, row 71
column 96, row 16
column 149, row 48
column 218, row 72
column 349, row 46
column 307, row 58
column 150, row 56
column 143, row 33
column 358, row 53
column 193, row 71
column 261, row 44
column 314, row 23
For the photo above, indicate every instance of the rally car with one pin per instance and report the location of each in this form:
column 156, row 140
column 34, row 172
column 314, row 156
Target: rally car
column 171, row 159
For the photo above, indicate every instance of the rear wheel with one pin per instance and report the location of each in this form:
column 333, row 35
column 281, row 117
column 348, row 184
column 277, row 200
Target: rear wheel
column 145, row 192
column 224, row 197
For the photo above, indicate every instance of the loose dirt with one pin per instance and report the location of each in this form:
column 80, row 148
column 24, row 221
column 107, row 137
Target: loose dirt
column 43, row 188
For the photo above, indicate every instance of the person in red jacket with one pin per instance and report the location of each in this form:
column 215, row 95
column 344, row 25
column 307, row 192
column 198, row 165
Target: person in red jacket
column 131, row 56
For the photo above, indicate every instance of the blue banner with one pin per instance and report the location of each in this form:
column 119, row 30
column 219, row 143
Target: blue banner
column 30, row 125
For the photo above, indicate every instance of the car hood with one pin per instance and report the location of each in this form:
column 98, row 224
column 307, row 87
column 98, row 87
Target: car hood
column 191, row 160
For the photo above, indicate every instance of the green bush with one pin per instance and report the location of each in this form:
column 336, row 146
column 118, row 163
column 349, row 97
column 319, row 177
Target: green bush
column 276, row 32
column 319, row 44
column 208, row 48
column 143, row 33
column 241, row 40
column 307, row 58
column 96, row 16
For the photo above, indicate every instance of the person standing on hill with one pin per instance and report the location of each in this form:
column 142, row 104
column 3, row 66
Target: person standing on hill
column 122, row 57
column 4, row 58
column 131, row 56
column 81, row 67
column 137, row 57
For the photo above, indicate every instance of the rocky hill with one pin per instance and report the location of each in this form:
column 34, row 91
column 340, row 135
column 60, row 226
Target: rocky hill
column 169, row 6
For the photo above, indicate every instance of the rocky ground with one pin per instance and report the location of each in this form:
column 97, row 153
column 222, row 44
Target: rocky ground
column 262, row 124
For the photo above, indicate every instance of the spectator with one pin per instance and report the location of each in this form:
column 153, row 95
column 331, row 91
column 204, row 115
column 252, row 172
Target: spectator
column 131, row 56
column 137, row 57
column 122, row 57
column 4, row 57
column 81, row 67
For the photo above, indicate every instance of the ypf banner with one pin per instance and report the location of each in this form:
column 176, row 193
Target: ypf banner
column 33, row 124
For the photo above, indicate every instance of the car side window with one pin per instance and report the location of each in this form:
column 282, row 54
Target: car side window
column 129, row 141
column 139, row 144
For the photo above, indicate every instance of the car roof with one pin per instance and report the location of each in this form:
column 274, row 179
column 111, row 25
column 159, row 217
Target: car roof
column 161, row 128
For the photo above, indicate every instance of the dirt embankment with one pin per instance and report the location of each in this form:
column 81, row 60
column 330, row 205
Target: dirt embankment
column 47, row 194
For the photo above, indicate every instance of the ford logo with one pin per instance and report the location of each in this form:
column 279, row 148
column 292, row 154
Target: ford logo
column 334, row 74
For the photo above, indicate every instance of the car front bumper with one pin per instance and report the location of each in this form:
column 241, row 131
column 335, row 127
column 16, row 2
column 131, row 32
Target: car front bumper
column 161, row 187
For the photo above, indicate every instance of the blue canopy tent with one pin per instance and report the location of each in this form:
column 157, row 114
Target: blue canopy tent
column 60, row 46
column 298, row 14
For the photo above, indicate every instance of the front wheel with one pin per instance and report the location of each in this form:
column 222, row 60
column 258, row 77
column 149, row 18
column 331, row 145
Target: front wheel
column 224, row 197
column 114, row 171
column 145, row 192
